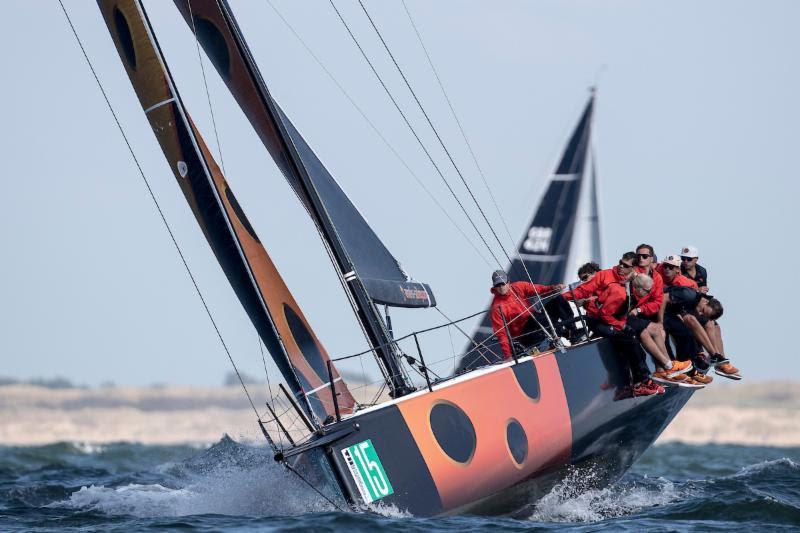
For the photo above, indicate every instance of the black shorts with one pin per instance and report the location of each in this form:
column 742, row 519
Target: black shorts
column 638, row 324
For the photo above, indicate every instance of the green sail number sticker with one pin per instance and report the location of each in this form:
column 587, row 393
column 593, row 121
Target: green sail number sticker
column 367, row 471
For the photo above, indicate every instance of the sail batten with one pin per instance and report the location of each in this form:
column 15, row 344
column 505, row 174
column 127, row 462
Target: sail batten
column 275, row 314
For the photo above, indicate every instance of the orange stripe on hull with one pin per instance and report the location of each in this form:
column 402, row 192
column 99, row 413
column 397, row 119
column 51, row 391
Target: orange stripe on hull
column 491, row 402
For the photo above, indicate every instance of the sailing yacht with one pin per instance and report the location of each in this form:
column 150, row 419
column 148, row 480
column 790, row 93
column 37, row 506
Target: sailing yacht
column 486, row 440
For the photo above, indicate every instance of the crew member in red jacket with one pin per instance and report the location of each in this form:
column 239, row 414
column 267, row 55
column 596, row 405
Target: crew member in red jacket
column 612, row 321
column 645, row 315
column 600, row 281
column 511, row 309
column 670, row 270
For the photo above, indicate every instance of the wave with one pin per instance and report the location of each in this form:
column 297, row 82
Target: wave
column 227, row 479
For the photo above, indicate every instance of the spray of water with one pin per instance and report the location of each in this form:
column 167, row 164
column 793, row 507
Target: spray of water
column 573, row 501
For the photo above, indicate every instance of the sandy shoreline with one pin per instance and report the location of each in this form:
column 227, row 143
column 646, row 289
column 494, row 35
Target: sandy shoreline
column 757, row 413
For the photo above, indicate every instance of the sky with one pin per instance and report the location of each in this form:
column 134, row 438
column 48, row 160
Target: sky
column 695, row 140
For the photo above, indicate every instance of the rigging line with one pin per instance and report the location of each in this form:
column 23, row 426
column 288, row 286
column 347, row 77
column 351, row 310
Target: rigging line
column 458, row 122
column 413, row 131
column 158, row 207
column 205, row 84
column 452, row 161
column 307, row 482
column 466, row 141
column 433, row 128
column 377, row 131
column 266, row 373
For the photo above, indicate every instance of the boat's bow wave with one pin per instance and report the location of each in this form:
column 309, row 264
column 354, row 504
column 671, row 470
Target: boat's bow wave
column 228, row 478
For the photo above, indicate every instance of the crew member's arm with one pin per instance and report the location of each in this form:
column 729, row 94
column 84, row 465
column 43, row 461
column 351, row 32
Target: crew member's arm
column 651, row 306
column 532, row 289
column 612, row 300
column 499, row 328
column 664, row 302
column 584, row 290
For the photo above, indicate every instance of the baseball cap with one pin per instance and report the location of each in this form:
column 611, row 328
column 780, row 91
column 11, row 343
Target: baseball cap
column 499, row 277
column 689, row 251
column 674, row 260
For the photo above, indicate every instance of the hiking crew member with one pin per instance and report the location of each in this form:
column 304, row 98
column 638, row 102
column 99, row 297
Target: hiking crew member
column 510, row 309
column 692, row 270
column 670, row 270
column 586, row 272
column 611, row 321
column 600, row 281
column 644, row 317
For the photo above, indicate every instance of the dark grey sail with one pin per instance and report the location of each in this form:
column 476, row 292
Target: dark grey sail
column 544, row 250
column 280, row 323
column 369, row 272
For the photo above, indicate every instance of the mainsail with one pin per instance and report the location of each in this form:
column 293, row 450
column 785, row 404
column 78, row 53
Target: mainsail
column 278, row 319
column 369, row 272
column 548, row 246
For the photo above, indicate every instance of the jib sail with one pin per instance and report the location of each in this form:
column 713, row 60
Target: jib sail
column 278, row 319
column 548, row 247
column 368, row 270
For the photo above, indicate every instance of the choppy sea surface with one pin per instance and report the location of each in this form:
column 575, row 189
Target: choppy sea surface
column 232, row 486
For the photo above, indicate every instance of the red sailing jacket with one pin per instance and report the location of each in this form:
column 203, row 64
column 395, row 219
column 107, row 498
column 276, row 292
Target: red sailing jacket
column 650, row 304
column 594, row 287
column 678, row 281
column 513, row 305
column 612, row 305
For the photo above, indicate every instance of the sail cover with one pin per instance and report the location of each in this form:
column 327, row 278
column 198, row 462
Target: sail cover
column 545, row 248
column 360, row 252
column 278, row 319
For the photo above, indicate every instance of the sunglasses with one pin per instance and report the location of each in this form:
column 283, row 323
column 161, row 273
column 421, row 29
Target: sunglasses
column 643, row 256
column 499, row 285
column 585, row 277
column 623, row 264
column 646, row 291
column 687, row 259
column 669, row 267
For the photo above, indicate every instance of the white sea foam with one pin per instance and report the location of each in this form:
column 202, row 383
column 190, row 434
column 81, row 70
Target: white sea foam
column 757, row 468
column 386, row 510
column 89, row 448
column 250, row 485
column 570, row 501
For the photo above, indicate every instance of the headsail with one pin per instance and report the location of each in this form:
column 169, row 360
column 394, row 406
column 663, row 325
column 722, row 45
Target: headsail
column 278, row 319
column 368, row 270
column 547, row 246
column 380, row 272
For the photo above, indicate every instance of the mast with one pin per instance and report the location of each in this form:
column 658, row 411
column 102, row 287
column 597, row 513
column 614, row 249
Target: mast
column 367, row 270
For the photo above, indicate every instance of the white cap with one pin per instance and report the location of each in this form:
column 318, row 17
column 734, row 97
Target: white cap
column 689, row 251
column 673, row 260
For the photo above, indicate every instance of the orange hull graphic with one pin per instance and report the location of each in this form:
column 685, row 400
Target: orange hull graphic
column 491, row 403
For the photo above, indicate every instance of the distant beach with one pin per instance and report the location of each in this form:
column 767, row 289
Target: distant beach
column 758, row 413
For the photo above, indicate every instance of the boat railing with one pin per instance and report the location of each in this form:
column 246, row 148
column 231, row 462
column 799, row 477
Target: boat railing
column 427, row 358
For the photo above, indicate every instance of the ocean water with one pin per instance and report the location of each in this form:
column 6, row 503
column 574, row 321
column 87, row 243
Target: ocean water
column 232, row 486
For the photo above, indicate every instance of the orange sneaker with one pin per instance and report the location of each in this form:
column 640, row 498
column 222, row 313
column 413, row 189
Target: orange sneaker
column 702, row 378
column 689, row 383
column 662, row 378
column 679, row 367
column 727, row 370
